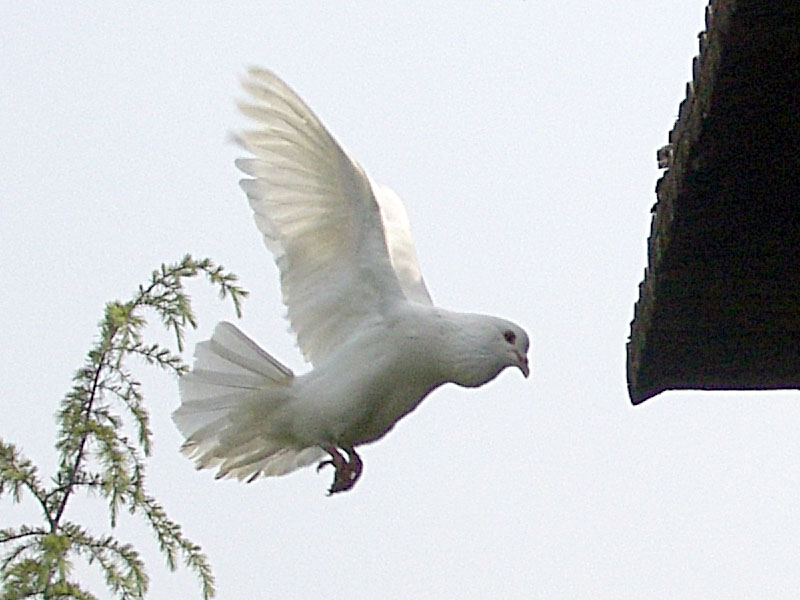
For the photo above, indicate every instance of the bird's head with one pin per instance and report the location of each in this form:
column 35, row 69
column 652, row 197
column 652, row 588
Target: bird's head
column 516, row 347
column 494, row 345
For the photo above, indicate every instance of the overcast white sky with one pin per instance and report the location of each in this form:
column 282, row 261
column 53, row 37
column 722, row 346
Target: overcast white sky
column 522, row 138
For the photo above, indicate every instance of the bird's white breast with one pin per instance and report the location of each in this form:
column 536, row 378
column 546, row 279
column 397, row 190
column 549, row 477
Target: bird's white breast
column 376, row 377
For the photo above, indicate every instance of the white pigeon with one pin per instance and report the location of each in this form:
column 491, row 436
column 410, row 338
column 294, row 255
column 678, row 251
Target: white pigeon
column 356, row 301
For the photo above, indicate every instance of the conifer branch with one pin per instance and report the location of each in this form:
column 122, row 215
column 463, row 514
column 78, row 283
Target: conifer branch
column 96, row 456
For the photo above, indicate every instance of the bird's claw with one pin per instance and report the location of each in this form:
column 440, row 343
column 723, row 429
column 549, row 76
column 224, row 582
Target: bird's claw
column 347, row 471
column 343, row 481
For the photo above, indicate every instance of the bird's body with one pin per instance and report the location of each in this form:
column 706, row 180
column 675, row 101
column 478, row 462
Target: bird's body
column 370, row 390
column 356, row 300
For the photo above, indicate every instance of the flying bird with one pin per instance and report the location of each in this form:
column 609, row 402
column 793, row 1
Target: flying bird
column 356, row 301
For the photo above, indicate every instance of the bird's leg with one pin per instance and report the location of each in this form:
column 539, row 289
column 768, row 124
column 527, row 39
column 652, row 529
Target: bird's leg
column 342, row 475
column 347, row 471
column 354, row 463
column 336, row 460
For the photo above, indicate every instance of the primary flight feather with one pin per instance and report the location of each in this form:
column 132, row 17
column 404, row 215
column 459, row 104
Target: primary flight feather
column 356, row 301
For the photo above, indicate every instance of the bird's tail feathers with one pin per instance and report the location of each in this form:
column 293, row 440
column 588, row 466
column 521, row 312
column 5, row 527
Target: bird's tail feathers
column 226, row 403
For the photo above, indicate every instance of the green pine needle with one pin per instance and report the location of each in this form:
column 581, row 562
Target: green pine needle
column 95, row 456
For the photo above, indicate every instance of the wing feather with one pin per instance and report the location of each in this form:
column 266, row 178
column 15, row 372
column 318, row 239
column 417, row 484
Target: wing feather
column 402, row 252
column 323, row 220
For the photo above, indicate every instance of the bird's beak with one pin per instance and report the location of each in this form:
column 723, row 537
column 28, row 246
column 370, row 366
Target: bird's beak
column 522, row 363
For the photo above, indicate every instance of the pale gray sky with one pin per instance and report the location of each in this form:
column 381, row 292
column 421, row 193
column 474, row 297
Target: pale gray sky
column 522, row 138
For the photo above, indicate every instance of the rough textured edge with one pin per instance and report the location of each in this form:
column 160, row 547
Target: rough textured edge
column 680, row 161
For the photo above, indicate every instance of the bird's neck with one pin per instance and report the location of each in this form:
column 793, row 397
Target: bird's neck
column 453, row 347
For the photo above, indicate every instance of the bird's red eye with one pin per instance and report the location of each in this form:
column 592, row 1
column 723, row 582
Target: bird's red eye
column 510, row 336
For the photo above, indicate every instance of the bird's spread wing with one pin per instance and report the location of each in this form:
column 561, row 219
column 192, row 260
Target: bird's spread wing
column 321, row 219
column 402, row 253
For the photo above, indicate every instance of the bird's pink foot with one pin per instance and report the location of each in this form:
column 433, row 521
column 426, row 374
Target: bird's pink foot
column 347, row 470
